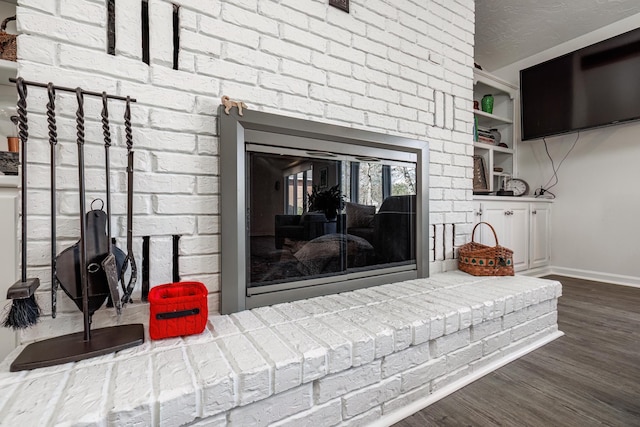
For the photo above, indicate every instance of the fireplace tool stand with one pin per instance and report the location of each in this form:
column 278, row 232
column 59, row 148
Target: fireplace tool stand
column 89, row 280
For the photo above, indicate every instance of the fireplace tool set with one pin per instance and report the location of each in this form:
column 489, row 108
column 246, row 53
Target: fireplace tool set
column 88, row 271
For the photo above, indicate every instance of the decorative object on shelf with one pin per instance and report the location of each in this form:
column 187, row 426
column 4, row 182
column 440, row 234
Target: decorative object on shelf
column 229, row 104
column 518, row 186
column 476, row 105
column 13, row 144
column 475, row 129
column 497, row 136
column 480, row 181
column 503, row 145
column 503, row 191
column 9, row 162
column 485, row 136
column 497, row 169
column 487, row 103
column 9, row 127
column 340, row 4
column 8, row 48
column 482, row 260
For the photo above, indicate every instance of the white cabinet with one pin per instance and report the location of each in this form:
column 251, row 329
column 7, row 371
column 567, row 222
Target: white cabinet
column 540, row 220
column 521, row 225
column 8, row 252
column 502, row 118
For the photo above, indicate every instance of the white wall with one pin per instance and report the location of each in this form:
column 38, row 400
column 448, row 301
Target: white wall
column 595, row 225
column 403, row 68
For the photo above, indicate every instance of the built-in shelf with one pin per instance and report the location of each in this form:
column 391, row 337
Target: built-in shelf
column 9, row 181
column 491, row 120
column 8, row 69
column 502, row 120
column 483, row 146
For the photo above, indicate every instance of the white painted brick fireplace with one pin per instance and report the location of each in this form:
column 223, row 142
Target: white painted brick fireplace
column 404, row 68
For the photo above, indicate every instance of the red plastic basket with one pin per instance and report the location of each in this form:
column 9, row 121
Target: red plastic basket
column 177, row 309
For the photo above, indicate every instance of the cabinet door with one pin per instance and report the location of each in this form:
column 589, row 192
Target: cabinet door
column 494, row 214
column 518, row 232
column 511, row 223
column 539, row 235
column 8, row 258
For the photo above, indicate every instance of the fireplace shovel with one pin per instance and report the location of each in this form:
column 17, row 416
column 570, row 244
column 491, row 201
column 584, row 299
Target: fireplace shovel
column 110, row 265
column 130, row 259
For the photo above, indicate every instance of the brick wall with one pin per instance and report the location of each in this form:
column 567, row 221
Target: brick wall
column 402, row 68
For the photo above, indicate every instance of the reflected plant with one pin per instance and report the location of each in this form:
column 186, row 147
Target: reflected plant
column 328, row 201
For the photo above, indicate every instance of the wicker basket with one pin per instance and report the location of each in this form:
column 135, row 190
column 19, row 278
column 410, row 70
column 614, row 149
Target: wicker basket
column 482, row 260
column 8, row 48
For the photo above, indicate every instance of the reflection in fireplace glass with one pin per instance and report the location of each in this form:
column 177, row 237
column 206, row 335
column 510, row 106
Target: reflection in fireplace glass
column 321, row 216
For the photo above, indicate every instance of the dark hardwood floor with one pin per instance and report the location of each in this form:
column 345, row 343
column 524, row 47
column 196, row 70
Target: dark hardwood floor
column 589, row 377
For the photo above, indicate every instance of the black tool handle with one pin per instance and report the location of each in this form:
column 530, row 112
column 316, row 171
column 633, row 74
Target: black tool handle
column 176, row 258
column 23, row 133
column 130, row 258
column 53, row 141
column 146, row 242
column 84, row 280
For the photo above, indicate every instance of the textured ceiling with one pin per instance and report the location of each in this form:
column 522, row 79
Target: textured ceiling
column 510, row 30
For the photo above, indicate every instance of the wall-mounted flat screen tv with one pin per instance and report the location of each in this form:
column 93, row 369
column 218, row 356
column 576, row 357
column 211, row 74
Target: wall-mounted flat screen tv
column 598, row 85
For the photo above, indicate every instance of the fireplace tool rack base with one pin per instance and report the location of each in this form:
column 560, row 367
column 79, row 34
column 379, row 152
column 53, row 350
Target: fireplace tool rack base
column 73, row 347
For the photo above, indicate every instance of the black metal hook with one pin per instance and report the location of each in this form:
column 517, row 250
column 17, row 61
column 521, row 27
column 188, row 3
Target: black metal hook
column 23, row 127
column 127, row 124
column 80, row 116
column 105, row 120
column 97, row 200
column 51, row 114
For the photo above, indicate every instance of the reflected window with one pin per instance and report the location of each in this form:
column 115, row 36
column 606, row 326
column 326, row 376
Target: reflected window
column 298, row 188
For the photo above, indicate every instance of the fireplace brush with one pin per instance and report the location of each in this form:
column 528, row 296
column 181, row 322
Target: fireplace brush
column 24, row 310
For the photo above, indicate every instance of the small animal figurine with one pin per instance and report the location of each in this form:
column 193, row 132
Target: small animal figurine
column 228, row 104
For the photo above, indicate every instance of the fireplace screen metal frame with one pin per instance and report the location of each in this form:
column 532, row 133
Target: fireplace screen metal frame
column 234, row 130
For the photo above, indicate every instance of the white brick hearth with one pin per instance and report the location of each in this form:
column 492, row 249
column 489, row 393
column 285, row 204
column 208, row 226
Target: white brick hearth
column 368, row 356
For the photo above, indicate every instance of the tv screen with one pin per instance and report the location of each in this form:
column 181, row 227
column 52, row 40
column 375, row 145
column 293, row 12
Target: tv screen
column 595, row 86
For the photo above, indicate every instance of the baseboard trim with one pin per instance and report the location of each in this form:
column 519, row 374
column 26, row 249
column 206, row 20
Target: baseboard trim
column 616, row 279
column 402, row 413
column 536, row 272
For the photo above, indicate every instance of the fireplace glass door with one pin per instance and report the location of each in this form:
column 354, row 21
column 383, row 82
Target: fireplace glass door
column 314, row 216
